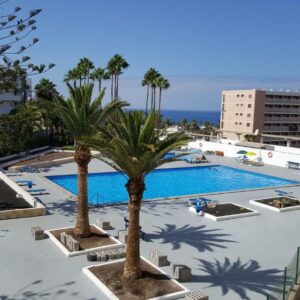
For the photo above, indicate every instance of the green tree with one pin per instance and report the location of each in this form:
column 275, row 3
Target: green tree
column 162, row 84
column 115, row 68
column 15, row 67
column 134, row 147
column 84, row 68
column 83, row 117
column 98, row 75
column 46, row 90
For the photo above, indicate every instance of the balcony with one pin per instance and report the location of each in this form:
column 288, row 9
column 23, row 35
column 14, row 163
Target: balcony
column 282, row 110
column 282, row 119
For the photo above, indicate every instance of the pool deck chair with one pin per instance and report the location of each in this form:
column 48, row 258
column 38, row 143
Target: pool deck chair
column 13, row 174
column 37, row 191
column 284, row 193
column 24, row 182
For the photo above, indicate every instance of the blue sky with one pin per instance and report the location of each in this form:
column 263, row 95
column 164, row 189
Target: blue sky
column 201, row 46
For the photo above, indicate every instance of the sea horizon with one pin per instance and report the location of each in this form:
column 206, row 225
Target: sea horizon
column 201, row 116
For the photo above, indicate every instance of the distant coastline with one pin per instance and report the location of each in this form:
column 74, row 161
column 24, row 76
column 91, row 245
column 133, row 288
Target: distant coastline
column 201, row 116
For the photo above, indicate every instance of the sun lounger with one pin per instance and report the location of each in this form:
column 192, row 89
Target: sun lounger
column 24, row 182
column 37, row 191
column 13, row 174
column 284, row 193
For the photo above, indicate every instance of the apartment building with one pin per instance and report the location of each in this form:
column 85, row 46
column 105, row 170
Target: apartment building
column 271, row 113
column 10, row 99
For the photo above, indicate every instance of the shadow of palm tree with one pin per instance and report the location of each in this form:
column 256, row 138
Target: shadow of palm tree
column 33, row 292
column 239, row 277
column 196, row 236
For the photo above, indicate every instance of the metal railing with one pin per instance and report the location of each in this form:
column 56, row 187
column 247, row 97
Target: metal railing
column 288, row 280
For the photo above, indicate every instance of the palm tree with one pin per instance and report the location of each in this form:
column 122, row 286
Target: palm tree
column 45, row 89
column 98, row 75
column 114, row 67
column 84, row 67
column 162, row 84
column 83, row 117
column 150, row 78
column 146, row 82
column 73, row 75
column 134, row 147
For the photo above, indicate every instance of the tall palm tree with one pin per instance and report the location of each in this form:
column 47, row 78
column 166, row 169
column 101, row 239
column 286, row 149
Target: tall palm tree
column 150, row 78
column 83, row 116
column 115, row 67
column 73, row 75
column 134, row 147
column 84, row 67
column 162, row 84
column 98, row 75
column 146, row 82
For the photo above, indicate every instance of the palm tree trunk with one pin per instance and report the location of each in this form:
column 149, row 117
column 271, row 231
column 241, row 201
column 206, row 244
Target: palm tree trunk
column 159, row 102
column 117, row 87
column 147, row 99
column 132, row 268
column 82, row 157
column 99, row 82
column 115, row 95
column 112, row 87
column 154, row 98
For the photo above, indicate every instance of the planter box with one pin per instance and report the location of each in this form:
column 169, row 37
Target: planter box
column 256, row 202
column 112, row 296
column 68, row 253
column 233, row 216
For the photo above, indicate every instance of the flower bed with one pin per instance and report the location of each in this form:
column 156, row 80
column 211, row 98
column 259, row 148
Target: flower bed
column 99, row 240
column 278, row 204
column 227, row 211
column 154, row 284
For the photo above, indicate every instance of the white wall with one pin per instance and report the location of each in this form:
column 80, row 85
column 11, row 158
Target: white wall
column 279, row 158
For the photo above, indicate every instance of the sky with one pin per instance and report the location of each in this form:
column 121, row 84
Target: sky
column 201, row 46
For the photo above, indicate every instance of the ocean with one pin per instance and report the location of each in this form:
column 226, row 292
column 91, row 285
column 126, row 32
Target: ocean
column 201, row 116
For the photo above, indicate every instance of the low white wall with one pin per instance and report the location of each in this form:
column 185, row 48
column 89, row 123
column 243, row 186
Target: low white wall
column 26, row 196
column 279, row 158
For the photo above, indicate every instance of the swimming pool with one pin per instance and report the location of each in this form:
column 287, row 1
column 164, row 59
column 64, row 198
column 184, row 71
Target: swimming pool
column 108, row 188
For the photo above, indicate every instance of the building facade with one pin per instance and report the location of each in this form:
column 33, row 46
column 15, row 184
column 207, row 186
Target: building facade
column 9, row 100
column 266, row 113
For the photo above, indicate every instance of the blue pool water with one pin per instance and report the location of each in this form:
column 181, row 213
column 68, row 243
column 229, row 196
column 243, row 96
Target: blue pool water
column 108, row 188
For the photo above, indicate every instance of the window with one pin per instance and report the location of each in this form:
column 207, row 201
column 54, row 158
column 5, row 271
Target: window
column 241, row 114
column 250, row 96
column 248, row 124
column 242, row 104
column 236, row 114
column 236, row 123
column 237, row 104
column 248, row 115
column 242, row 95
column 241, row 123
column 238, row 95
column 249, row 105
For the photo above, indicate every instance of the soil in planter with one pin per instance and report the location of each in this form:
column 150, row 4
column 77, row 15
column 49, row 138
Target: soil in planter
column 152, row 284
column 227, row 209
column 45, row 158
column 280, row 202
column 97, row 238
